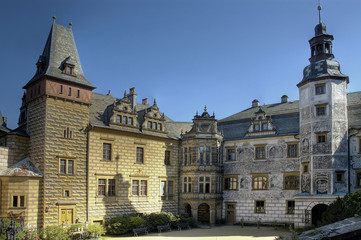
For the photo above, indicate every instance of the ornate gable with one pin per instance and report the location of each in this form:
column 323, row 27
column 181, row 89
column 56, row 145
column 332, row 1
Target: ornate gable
column 153, row 119
column 122, row 114
column 261, row 124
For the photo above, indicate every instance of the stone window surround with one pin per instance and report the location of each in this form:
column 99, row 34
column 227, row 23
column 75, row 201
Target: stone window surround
column 187, row 155
column 206, row 185
column 169, row 195
column 260, row 152
column 231, row 179
column 291, row 174
column 260, row 206
column 106, row 185
column 231, row 154
column 187, row 184
column 66, row 159
column 320, row 136
column 340, row 174
column 288, row 149
column 264, row 183
column 141, row 183
column 167, row 157
column 107, row 156
column 139, row 155
column 18, row 201
column 320, row 89
column 290, row 209
column 321, row 110
column 155, row 125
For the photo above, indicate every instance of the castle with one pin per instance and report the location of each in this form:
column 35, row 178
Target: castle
column 80, row 156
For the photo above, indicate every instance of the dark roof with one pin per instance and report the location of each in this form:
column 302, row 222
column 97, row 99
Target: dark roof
column 98, row 116
column 285, row 118
column 60, row 48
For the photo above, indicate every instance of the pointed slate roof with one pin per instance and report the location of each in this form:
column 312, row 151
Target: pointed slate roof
column 24, row 168
column 60, row 48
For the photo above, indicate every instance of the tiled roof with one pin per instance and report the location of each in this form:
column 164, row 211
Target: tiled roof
column 98, row 116
column 23, row 168
column 58, row 48
column 285, row 117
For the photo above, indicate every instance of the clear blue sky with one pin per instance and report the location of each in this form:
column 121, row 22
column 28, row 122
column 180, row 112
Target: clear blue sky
column 184, row 53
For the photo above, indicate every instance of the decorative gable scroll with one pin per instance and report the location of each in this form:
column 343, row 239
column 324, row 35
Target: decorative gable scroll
column 261, row 125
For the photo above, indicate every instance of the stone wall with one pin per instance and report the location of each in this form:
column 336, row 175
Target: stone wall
column 124, row 169
column 4, row 155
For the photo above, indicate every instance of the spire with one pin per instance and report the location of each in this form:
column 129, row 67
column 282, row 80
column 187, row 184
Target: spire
column 60, row 48
column 319, row 11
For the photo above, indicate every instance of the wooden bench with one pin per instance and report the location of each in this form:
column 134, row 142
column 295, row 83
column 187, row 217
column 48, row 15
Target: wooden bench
column 163, row 227
column 183, row 225
column 136, row 231
column 274, row 224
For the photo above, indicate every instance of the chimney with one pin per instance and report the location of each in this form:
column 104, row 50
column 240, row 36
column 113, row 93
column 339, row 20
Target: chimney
column 5, row 121
column 255, row 103
column 145, row 101
column 132, row 97
column 284, row 99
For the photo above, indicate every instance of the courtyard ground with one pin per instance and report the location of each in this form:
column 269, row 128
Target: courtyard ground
column 214, row 233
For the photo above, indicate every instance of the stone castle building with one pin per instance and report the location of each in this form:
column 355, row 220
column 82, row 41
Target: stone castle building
column 80, row 156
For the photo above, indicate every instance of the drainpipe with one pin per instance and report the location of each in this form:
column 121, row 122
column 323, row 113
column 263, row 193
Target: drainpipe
column 349, row 160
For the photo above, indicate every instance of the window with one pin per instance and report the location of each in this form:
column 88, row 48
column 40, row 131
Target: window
column 66, row 166
column 66, row 193
column 139, row 187
column 154, row 126
column 119, row 118
column 259, row 206
column 61, row 89
column 140, row 155
column 340, row 177
column 204, row 155
column 167, row 158
column 187, row 184
column 290, row 207
column 219, row 185
column 231, row 154
column 69, row 93
column 187, row 156
column 292, row 150
column 101, row 187
column 305, row 167
column 150, row 125
column 256, row 127
column 166, row 190
column 264, row 126
column 107, row 151
column 130, row 122
column 68, row 133
column 291, row 181
column 358, row 180
column 18, row 202
column 159, row 127
column 69, row 70
column 321, row 138
column 78, row 94
column 204, row 184
column 260, row 182
column 320, row 110
column 125, row 120
column 320, row 89
column 230, row 183
column 260, row 152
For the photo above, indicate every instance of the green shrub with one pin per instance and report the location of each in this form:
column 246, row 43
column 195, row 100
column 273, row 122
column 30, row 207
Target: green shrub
column 54, row 233
column 20, row 234
column 152, row 220
column 95, row 230
column 342, row 208
column 123, row 224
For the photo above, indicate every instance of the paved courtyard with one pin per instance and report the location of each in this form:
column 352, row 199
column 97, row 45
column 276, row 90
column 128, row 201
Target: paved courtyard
column 219, row 233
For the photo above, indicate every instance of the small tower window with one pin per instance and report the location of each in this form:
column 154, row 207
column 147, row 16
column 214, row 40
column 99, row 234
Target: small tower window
column 78, row 94
column 61, row 89
column 69, row 92
column 320, row 89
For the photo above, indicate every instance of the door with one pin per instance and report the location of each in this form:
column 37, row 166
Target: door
column 230, row 211
column 66, row 216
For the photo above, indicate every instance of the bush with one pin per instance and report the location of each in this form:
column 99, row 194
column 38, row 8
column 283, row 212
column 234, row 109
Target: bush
column 54, row 232
column 185, row 218
column 151, row 221
column 123, row 224
column 95, row 230
column 20, row 234
column 342, row 208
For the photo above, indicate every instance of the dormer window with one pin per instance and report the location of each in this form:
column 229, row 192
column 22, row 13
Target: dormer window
column 264, row 126
column 256, row 127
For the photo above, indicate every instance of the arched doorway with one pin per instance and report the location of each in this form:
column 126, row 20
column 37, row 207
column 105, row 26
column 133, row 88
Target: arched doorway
column 203, row 213
column 188, row 209
column 317, row 211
